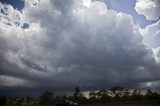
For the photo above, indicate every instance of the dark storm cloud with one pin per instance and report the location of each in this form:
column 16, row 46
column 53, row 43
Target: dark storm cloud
column 32, row 65
column 76, row 43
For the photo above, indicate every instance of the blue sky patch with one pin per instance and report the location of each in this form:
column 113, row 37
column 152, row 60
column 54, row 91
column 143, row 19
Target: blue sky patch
column 127, row 6
column 17, row 4
column 25, row 26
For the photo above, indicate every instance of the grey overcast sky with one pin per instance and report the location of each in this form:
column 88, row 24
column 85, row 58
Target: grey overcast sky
column 60, row 44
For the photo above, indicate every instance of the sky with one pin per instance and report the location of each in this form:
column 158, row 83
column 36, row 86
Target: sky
column 16, row 4
column 94, row 44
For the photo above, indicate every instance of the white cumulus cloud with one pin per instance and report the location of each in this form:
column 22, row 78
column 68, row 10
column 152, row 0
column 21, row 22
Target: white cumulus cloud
column 149, row 8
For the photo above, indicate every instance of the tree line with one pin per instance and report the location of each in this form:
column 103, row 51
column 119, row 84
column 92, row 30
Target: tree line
column 115, row 94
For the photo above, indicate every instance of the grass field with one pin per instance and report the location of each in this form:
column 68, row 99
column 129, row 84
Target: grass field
column 121, row 105
column 155, row 103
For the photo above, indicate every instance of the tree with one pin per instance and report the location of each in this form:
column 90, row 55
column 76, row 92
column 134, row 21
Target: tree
column 47, row 98
column 136, row 95
column 117, row 92
column 78, row 93
column 30, row 99
column 92, row 97
column 104, row 96
column 126, row 95
column 116, row 89
column 151, row 95
column 79, row 97
column 3, row 100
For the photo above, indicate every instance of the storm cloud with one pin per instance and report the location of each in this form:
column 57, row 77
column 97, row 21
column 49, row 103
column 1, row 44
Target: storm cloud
column 73, row 43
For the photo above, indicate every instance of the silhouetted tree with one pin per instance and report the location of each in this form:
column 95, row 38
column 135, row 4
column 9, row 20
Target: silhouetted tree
column 126, row 95
column 117, row 91
column 152, row 95
column 78, row 96
column 92, row 97
column 136, row 95
column 47, row 98
column 3, row 100
column 104, row 96
column 30, row 99
column 78, row 93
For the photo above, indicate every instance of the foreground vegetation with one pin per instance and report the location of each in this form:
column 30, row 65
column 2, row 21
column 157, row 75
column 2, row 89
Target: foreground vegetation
column 116, row 96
